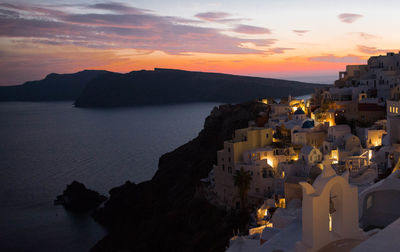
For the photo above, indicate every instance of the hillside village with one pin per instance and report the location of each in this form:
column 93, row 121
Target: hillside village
column 319, row 174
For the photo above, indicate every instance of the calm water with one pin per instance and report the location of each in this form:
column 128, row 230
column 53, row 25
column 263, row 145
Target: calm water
column 44, row 146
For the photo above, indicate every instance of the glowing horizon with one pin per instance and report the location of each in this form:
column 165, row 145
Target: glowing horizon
column 303, row 40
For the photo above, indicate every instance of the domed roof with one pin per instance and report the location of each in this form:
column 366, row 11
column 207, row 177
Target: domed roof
column 299, row 111
column 307, row 124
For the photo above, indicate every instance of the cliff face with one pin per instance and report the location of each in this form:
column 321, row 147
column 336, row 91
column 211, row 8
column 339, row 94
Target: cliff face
column 164, row 86
column 164, row 213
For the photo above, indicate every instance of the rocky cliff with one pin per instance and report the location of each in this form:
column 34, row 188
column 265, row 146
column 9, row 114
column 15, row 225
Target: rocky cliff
column 164, row 214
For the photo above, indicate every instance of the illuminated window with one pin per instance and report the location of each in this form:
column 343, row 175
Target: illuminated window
column 390, row 109
column 397, row 110
column 330, row 223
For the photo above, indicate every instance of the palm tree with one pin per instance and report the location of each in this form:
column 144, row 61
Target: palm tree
column 242, row 180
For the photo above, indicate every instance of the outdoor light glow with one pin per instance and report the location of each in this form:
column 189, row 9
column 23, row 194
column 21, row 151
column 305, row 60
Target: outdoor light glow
column 334, row 156
column 270, row 162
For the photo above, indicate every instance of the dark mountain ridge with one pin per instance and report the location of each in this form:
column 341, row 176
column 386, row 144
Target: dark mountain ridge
column 99, row 88
column 55, row 87
column 166, row 86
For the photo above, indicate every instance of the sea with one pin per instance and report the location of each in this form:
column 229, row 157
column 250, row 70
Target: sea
column 46, row 145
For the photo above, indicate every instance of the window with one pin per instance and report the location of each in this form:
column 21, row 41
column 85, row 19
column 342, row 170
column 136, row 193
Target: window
column 264, row 173
column 369, row 202
column 223, row 167
column 267, row 136
column 229, row 149
column 397, row 110
column 229, row 169
column 251, row 173
column 229, row 159
column 390, row 109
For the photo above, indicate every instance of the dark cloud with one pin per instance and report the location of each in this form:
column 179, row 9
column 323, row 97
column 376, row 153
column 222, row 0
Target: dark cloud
column 338, row 59
column 118, row 7
column 137, row 29
column 34, row 10
column 365, row 36
column 249, row 29
column 218, row 17
column 300, row 32
column 264, row 42
column 212, row 16
column 373, row 50
column 277, row 50
column 349, row 17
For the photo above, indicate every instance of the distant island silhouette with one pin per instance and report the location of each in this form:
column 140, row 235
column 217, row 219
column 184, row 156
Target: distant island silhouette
column 99, row 88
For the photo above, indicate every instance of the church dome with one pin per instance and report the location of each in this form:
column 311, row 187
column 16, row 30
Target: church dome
column 299, row 111
column 308, row 124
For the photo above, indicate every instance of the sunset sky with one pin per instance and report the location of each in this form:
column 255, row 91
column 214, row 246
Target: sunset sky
column 291, row 39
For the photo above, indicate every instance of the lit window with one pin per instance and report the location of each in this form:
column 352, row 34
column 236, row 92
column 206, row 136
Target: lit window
column 390, row 109
column 397, row 110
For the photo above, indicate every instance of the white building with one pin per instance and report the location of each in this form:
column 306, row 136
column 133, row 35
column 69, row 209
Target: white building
column 310, row 155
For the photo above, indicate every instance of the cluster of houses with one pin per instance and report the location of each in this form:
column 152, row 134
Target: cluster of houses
column 350, row 130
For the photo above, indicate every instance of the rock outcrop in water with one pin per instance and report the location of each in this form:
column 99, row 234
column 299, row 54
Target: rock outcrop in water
column 78, row 198
column 167, row 213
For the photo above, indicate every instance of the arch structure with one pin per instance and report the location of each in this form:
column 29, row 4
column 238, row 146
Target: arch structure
column 380, row 203
column 329, row 211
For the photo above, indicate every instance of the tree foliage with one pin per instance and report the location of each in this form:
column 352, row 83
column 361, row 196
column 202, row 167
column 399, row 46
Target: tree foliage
column 242, row 180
